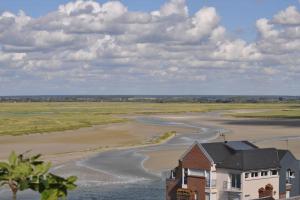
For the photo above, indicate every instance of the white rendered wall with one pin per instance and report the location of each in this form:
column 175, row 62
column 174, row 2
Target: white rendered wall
column 222, row 176
column 251, row 186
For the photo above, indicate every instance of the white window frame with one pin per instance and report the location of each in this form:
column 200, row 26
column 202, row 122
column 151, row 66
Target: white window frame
column 271, row 171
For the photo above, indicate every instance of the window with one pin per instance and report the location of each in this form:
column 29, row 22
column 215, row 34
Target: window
column 185, row 176
column 291, row 174
column 236, row 180
column 246, row 175
column 274, row 172
column 173, row 174
column 196, row 195
column 254, row 174
column 207, row 197
column 264, row 173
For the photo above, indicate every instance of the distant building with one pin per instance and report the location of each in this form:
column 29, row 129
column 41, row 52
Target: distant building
column 236, row 170
column 289, row 174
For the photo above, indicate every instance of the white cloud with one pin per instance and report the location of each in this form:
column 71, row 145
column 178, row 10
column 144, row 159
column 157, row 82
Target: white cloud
column 80, row 7
column 270, row 71
column 237, row 50
column 87, row 41
column 203, row 23
column 266, row 29
column 289, row 16
column 173, row 7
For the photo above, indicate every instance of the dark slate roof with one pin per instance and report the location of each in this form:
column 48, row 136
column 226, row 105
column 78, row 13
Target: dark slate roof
column 281, row 153
column 242, row 155
column 240, row 145
column 284, row 152
column 218, row 151
column 253, row 159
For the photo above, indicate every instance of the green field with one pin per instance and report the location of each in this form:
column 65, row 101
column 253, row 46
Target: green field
column 276, row 113
column 26, row 118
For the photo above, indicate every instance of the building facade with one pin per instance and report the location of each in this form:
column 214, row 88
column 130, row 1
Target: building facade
column 235, row 170
column 289, row 175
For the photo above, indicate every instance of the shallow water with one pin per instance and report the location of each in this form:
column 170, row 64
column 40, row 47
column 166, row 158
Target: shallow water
column 148, row 190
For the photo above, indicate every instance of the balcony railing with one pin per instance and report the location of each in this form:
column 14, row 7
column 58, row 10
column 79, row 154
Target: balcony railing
column 211, row 183
column 288, row 186
column 227, row 186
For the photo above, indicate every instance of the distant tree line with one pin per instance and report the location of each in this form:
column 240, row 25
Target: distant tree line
column 153, row 98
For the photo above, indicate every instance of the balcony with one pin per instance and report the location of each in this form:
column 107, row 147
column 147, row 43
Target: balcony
column 211, row 186
column 288, row 182
column 211, row 183
column 227, row 186
column 288, row 186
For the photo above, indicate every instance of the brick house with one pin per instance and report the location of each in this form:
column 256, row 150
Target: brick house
column 236, row 170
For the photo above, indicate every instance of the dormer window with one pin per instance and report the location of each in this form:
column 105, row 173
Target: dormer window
column 264, row 173
column 254, row 174
column 246, row 175
column 274, row 172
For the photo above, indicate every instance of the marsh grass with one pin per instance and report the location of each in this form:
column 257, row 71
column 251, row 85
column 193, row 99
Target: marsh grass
column 28, row 118
column 163, row 137
column 276, row 113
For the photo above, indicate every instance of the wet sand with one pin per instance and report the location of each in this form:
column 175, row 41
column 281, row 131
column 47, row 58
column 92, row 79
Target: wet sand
column 64, row 146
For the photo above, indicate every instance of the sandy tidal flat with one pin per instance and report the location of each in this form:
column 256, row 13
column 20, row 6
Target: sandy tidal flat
column 63, row 146
column 74, row 144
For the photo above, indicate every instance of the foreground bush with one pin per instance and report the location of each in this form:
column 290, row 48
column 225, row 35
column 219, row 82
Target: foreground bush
column 21, row 173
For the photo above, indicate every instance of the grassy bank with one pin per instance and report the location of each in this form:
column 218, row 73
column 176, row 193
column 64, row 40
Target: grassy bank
column 163, row 137
column 26, row 118
column 281, row 114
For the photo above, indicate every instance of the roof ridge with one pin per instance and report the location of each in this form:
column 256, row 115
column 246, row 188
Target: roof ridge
column 197, row 144
column 259, row 149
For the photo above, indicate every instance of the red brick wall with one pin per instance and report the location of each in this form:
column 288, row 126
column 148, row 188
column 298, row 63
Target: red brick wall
column 282, row 196
column 196, row 159
column 171, row 188
column 197, row 184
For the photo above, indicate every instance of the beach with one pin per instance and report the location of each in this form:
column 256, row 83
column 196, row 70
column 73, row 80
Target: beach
column 109, row 156
column 59, row 147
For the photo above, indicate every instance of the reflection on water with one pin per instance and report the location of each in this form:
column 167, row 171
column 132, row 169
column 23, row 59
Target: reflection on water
column 147, row 190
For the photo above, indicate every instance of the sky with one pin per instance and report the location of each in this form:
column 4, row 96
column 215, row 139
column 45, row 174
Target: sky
column 201, row 47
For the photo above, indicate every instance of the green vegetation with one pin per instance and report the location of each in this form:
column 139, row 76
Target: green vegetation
column 21, row 173
column 27, row 118
column 276, row 113
column 163, row 137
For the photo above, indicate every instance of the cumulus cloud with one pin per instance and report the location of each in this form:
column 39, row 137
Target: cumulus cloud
column 173, row 7
column 270, row 71
column 289, row 16
column 237, row 50
column 105, row 44
column 265, row 29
